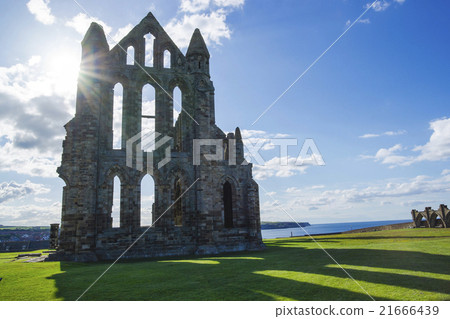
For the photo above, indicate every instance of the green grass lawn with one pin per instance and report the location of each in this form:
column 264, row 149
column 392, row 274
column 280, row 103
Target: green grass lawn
column 408, row 264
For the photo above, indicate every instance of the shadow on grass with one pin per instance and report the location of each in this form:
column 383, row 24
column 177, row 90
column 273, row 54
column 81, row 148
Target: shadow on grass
column 330, row 238
column 276, row 273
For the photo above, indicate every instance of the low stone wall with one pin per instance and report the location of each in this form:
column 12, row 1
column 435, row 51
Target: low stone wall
column 379, row 228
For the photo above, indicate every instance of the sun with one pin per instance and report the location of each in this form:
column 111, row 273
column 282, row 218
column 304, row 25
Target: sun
column 63, row 68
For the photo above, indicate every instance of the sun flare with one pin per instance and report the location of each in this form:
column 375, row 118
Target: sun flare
column 63, row 68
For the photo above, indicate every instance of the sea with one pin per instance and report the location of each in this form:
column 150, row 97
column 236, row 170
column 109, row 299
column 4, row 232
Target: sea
column 317, row 229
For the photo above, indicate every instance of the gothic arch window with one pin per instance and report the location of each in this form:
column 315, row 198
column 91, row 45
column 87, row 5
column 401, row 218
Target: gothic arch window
column 147, row 200
column 166, row 57
column 116, row 202
column 177, row 207
column 117, row 116
column 148, row 118
column 177, row 103
column 130, row 55
column 227, row 205
column 149, row 40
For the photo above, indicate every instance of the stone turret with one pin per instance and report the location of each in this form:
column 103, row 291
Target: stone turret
column 239, row 146
column 197, row 54
column 94, row 45
column 94, row 50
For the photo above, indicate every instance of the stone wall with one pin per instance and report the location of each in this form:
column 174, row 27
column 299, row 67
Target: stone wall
column 90, row 164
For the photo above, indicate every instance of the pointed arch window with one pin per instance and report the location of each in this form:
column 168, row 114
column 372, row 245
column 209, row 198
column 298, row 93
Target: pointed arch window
column 130, row 55
column 177, row 103
column 117, row 116
column 166, row 57
column 228, row 205
column 149, row 40
column 177, row 207
column 147, row 200
column 148, row 118
column 116, row 202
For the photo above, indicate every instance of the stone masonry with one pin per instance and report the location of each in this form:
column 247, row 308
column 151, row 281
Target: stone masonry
column 219, row 207
column 430, row 218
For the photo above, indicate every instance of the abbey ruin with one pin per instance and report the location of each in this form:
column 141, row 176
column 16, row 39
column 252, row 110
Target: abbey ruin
column 430, row 218
column 203, row 205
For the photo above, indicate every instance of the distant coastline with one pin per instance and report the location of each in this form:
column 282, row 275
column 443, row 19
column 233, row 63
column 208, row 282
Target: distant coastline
column 281, row 225
column 328, row 229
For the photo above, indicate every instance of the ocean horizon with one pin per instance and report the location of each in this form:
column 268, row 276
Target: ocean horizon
column 318, row 229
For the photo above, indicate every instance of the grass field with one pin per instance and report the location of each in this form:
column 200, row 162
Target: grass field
column 408, row 264
column 24, row 227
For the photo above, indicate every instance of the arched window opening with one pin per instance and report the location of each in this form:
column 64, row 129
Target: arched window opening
column 438, row 222
column 116, row 203
column 147, row 200
column 167, row 62
column 177, row 207
column 148, row 118
column 149, row 40
column 423, row 222
column 177, row 104
column 228, row 205
column 130, row 55
column 117, row 116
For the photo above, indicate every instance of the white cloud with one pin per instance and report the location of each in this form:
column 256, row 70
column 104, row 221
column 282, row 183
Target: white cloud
column 36, row 78
column 81, row 23
column 207, row 15
column 41, row 11
column 33, row 110
column 13, row 190
column 388, row 133
column 213, row 27
column 121, row 33
column 363, row 21
column 436, row 149
column 264, row 138
column 42, row 200
column 256, row 142
column 275, row 168
column 30, row 215
column 31, row 162
column 229, row 3
column 391, row 156
column 194, row 5
column 34, row 60
column 380, row 5
column 369, row 135
column 417, row 204
column 358, row 202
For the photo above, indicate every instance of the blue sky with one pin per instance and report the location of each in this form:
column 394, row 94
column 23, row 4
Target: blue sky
column 376, row 104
